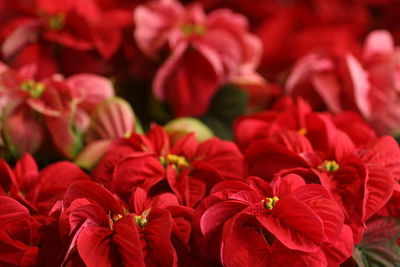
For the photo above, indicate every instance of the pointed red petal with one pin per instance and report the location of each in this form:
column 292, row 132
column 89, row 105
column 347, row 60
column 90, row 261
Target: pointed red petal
column 94, row 246
column 278, row 157
column 138, row 169
column 243, row 245
column 378, row 189
column 127, row 238
column 54, row 181
column 294, row 224
column 342, row 249
column 218, row 213
column 157, row 235
column 93, row 192
column 384, row 152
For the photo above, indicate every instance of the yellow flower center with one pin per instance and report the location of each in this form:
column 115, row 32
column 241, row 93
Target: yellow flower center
column 193, row 29
column 141, row 221
column 35, row 89
column 330, row 165
column 117, row 217
column 269, row 202
column 302, row 131
column 174, row 160
column 57, row 21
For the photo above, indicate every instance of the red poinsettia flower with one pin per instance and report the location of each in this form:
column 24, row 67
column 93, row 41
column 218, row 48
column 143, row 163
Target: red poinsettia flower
column 38, row 190
column 289, row 216
column 17, row 244
column 360, row 179
column 187, row 168
column 367, row 83
column 103, row 231
column 77, row 97
column 34, row 27
column 64, row 104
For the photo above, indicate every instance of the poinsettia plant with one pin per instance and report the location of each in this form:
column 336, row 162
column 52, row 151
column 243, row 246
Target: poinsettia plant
column 199, row 133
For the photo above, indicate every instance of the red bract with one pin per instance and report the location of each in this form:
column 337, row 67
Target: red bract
column 17, row 244
column 187, row 168
column 391, row 209
column 297, row 115
column 38, row 191
column 288, row 30
column 207, row 51
column 288, row 216
column 376, row 82
column 102, row 231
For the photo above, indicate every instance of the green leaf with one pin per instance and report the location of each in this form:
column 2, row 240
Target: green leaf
column 396, row 135
column 158, row 111
column 379, row 246
column 228, row 103
column 218, row 127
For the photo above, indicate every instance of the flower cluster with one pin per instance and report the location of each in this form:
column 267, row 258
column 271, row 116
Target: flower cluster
column 199, row 133
column 301, row 191
column 34, row 31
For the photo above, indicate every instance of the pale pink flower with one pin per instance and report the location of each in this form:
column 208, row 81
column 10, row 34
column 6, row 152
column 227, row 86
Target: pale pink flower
column 206, row 50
